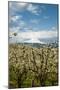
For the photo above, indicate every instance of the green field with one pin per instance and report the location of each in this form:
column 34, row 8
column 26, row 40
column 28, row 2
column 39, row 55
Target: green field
column 32, row 67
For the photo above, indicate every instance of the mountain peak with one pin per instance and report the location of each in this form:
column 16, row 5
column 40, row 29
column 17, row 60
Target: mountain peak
column 34, row 41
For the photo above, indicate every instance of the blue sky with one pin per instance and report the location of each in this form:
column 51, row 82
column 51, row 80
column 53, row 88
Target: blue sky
column 33, row 22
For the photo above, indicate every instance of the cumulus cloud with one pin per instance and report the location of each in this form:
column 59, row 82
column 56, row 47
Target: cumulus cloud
column 35, row 36
column 26, row 20
column 14, row 29
column 16, row 7
column 19, row 7
column 33, row 9
column 38, row 34
column 15, row 18
column 21, row 4
column 17, row 24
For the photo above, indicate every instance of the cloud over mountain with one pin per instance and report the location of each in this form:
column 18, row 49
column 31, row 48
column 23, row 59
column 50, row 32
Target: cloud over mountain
column 32, row 22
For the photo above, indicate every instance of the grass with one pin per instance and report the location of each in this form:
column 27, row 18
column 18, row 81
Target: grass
column 32, row 67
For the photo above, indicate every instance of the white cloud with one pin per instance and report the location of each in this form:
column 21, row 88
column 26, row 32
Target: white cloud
column 22, row 24
column 33, row 9
column 19, row 7
column 46, row 17
column 35, row 21
column 53, row 28
column 15, row 18
column 34, row 41
column 22, row 5
column 39, row 34
column 35, row 36
column 19, row 26
column 17, row 4
column 14, row 29
column 16, row 7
